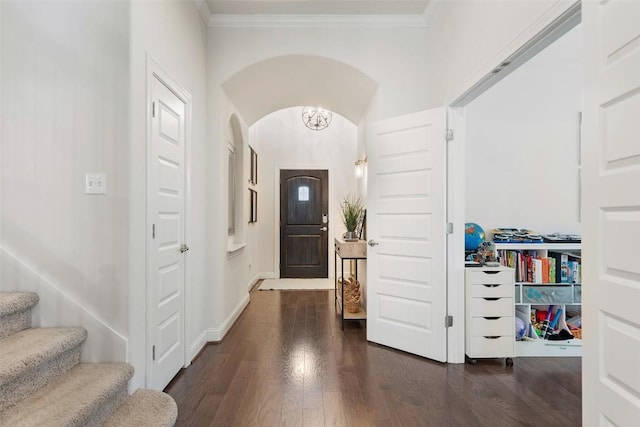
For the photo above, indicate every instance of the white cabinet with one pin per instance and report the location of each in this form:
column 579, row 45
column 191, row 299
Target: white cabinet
column 490, row 313
column 558, row 296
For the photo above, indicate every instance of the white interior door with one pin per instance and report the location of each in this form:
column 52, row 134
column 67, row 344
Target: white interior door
column 611, row 213
column 406, row 280
column 166, row 207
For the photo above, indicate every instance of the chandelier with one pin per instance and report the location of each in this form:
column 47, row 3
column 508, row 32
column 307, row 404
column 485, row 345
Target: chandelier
column 316, row 118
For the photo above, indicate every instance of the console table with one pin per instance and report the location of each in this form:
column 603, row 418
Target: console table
column 348, row 251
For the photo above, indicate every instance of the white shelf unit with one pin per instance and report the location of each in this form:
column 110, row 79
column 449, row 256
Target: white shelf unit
column 490, row 315
column 540, row 296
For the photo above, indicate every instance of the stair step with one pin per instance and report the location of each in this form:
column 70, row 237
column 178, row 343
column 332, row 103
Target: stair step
column 145, row 408
column 32, row 358
column 87, row 395
column 15, row 311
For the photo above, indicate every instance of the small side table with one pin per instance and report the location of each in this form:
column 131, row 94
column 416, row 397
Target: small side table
column 348, row 251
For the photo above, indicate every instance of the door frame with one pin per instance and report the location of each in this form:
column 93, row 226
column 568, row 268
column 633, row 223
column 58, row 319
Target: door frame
column 155, row 71
column 276, row 213
column 558, row 20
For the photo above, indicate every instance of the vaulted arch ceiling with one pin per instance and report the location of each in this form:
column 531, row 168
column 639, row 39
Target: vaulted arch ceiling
column 293, row 80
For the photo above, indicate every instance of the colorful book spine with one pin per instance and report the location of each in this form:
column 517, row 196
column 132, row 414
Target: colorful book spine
column 537, row 270
column 545, row 270
column 564, row 268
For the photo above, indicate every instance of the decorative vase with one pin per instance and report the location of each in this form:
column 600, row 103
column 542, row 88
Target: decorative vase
column 350, row 236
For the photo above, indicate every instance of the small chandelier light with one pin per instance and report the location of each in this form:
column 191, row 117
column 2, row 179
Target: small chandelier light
column 316, row 118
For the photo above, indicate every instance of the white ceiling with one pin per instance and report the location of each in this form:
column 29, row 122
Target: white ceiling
column 317, row 7
column 293, row 80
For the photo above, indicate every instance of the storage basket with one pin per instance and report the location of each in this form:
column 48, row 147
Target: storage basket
column 351, row 294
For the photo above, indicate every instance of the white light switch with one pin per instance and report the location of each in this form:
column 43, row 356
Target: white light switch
column 96, row 183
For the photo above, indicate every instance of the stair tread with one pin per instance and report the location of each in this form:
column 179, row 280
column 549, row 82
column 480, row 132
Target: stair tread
column 15, row 302
column 145, row 408
column 27, row 349
column 71, row 399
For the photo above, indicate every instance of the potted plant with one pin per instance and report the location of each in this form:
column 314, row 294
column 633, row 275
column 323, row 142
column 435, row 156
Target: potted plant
column 352, row 208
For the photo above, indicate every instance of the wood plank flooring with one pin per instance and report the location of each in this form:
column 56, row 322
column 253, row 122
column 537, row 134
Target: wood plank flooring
column 287, row 363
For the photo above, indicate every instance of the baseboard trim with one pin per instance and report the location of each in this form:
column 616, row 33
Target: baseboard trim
column 268, row 276
column 198, row 345
column 253, row 281
column 218, row 334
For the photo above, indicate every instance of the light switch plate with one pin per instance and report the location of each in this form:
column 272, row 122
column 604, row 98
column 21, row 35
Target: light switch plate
column 96, row 183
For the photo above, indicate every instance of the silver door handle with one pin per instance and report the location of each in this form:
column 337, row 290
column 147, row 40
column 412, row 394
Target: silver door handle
column 184, row 248
column 323, row 229
column 372, row 243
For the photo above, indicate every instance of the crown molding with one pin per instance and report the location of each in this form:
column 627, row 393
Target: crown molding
column 204, row 10
column 318, row 21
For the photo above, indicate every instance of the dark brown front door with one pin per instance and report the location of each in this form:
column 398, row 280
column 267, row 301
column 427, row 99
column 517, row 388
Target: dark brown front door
column 304, row 210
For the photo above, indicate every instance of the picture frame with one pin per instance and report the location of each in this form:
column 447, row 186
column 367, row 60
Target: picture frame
column 362, row 227
column 253, row 173
column 253, row 206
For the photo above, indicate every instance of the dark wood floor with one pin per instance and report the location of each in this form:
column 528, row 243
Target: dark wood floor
column 287, row 363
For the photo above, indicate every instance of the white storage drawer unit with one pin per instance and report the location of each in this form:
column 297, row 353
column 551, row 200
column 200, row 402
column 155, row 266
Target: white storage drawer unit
column 490, row 313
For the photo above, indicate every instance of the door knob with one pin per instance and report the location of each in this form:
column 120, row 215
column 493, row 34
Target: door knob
column 323, row 229
column 184, row 248
column 372, row 243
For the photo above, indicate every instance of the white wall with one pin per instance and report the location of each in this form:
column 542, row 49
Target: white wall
column 393, row 57
column 65, row 114
column 174, row 35
column 522, row 145
column 283, row 142
column 466, row 39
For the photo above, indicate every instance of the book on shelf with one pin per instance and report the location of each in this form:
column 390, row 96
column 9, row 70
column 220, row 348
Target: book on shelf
column 545, row 269
column 537, row 270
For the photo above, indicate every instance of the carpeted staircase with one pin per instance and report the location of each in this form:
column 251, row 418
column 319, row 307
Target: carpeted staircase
column 43, row 383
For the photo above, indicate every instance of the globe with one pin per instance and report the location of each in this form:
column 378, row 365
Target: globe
column 473, row 236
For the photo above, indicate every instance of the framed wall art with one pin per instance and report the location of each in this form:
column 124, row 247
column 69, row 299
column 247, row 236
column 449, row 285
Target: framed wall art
column 253, row 206
column 253, row 176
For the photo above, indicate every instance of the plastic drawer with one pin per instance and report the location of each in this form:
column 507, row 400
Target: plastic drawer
column 491, row 290
column 482, row 277
column 492, row 326
column 491, row 307
column 502, row 346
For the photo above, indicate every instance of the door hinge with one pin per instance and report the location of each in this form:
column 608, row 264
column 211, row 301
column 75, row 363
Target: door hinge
column 153, row 353
column 449, row 228
column 153, row 231
column 448, row 135
column 448, row 321
column 153, row 109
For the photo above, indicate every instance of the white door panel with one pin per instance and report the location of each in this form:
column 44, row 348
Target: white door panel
column 166, row 205
column 406, row 213
column 405, row 226
column 405, row 206
column 611, row 211
column 415, row 162
column 414, row 291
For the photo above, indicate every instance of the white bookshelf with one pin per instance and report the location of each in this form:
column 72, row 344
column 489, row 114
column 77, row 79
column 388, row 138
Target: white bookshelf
column 564, row 296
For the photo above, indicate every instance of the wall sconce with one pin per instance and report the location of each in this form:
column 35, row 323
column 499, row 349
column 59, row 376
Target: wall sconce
column 359, row 169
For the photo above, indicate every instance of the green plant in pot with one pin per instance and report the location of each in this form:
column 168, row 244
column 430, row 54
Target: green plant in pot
column 352, row 209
